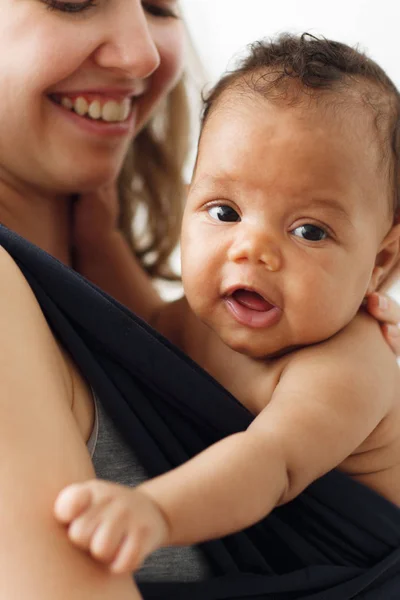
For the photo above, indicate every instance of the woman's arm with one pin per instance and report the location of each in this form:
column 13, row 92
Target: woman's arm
column 41, row 451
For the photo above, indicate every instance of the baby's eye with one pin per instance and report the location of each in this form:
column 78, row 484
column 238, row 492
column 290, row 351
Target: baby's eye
column 311, row 233
column 223, row 213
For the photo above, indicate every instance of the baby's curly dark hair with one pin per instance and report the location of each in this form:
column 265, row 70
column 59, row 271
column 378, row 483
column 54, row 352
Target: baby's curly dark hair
column 292, row 68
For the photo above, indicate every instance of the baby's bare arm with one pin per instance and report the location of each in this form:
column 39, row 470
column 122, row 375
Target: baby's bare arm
column 329, row 400
column 118, row 525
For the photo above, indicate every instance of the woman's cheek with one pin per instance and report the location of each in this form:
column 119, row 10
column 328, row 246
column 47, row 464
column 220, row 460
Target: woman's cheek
column 170, row 44
column 168, row 74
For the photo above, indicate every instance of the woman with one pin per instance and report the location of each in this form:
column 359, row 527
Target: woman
column 115, row 51
column 80, row 80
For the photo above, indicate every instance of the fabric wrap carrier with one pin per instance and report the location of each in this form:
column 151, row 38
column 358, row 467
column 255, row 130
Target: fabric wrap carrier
column 337, row 540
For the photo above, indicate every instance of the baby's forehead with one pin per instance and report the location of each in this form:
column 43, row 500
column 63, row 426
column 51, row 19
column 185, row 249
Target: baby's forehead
column 343, row 121
column 360, row 100
column 323, row 115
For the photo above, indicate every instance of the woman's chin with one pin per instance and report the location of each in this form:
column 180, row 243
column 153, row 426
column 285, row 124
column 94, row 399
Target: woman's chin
column 84, row 181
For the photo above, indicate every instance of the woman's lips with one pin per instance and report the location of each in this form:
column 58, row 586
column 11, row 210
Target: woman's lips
column 251, row 309
column 98, row 127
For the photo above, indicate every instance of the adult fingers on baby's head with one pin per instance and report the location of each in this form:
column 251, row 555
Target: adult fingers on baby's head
column 387, row 311
column 71, row 502
column 383, row 308
column 392, row 278
column 392, row 336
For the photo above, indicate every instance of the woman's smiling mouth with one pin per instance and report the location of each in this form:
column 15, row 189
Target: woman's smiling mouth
column 96, row 107
column 101, row 113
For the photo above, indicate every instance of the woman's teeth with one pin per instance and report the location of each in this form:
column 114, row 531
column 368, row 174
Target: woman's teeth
column 111, row 111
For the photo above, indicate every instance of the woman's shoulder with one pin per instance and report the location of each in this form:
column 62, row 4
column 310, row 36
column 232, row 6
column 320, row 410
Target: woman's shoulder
column 41, row 451
column 26, row 337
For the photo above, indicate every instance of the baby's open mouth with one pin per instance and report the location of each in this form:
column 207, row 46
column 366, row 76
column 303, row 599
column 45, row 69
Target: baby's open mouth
column 96, row 108
column 251, row 300
column 249, row 308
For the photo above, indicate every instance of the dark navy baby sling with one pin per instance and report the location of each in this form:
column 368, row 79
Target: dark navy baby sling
column 337, row 540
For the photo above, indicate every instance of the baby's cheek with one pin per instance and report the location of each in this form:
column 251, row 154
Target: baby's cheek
column 197, row 289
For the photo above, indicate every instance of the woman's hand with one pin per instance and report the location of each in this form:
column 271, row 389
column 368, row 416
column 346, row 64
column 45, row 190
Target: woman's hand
column 95, row 218
column 387, row 311
column 103, row 255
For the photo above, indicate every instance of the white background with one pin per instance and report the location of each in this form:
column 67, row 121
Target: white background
column 221, row 28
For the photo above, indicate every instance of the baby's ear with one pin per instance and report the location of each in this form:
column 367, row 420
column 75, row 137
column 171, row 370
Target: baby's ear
column 387, row 257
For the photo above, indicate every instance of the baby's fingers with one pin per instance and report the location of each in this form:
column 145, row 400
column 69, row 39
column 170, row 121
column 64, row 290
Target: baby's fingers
column 71, row 502
column 127, row 559
column 82, row 529
column 110, row 533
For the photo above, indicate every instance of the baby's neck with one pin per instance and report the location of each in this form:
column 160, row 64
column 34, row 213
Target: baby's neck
column 250, row 380
column 179, row 324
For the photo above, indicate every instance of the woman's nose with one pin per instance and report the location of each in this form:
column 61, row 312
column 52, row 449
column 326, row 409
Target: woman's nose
column 127, row 45
column 256, row 246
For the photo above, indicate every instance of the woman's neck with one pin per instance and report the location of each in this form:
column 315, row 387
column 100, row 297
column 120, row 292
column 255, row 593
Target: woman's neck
column 44, row 220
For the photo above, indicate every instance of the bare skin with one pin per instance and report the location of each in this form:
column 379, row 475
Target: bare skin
column 121, row 526
column 387, row 311
column 323, row 389
column 51, row 387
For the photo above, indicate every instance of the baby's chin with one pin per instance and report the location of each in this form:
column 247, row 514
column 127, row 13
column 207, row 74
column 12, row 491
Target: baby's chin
column 257, row 349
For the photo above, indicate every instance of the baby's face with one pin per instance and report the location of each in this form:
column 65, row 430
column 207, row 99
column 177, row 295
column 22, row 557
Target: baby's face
column 285, row 217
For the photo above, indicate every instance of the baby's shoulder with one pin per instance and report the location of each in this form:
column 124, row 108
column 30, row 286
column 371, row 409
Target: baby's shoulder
column 357, row 359
column 359, row 342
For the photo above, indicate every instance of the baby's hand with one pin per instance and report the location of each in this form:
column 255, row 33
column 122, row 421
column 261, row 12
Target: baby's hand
column 118, row 525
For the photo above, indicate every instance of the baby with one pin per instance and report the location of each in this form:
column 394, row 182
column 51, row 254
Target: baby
column 289, row 225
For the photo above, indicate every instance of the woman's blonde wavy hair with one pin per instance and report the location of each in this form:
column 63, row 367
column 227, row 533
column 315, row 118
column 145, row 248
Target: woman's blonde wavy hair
column 151, row 181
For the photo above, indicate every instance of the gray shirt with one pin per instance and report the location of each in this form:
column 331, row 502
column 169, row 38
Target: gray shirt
column 115, row 461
